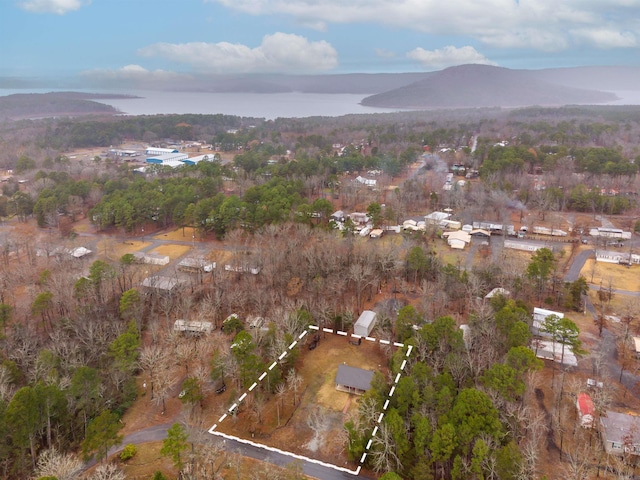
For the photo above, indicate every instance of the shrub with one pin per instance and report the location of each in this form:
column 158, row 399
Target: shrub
column 128, row 452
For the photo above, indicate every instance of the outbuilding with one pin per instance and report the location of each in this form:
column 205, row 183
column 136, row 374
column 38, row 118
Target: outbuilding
column 586, row 410
column 365, row 323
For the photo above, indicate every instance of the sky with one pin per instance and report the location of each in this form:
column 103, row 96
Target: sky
column 169, row 39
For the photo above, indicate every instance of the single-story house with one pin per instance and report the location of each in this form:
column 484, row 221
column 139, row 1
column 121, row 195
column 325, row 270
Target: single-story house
column 609, row 233
column 242, row 269
column 255, row 321
column 365, row 323
column 586, row 410
column 480, row 232
column 524, row 246
column 369, row 182
column 610, row 256
column 353, row 380
column 80, row 252
column 160, row 283
column 549, row 350
column 539, row 317
column 435, row 218
column 376, row 233
column 457, row 239
column 497, row 291
column 359, row 218
column 497, row 228
column 196, row 265
column 151, row 258
column 338, row 216
column 191, row 326
column 620, row 433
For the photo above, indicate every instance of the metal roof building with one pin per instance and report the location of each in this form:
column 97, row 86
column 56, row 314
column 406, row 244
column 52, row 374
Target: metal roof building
column 159, row 151
column 167, row 157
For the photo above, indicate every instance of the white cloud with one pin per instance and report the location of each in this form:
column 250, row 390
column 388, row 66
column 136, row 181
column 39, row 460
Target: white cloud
column 59, row 7
column 447, row 57
column 547, row 25
column 280, row 52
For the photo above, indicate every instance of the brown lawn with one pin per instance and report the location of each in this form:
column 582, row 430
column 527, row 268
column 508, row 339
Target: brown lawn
column 114, row 250
column 605, row 274
column 171, row 250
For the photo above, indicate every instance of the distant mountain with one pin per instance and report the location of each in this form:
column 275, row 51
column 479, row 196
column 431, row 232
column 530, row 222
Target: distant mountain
column 474, row 86
column 58, row 104
column 356, row 83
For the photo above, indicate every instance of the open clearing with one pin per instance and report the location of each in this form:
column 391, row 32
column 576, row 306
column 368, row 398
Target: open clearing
column 610, row 274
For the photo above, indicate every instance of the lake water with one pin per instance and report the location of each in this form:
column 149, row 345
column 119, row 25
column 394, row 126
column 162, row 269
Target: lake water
column 258, row 105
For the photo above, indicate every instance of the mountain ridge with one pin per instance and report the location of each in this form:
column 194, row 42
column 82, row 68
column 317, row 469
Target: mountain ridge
column 476, row 86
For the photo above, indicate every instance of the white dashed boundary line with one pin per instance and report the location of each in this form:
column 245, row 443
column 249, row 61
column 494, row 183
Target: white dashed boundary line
column 230, row 410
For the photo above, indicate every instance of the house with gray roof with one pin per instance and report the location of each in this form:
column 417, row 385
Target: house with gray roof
column 620, row 433
column 353, row 380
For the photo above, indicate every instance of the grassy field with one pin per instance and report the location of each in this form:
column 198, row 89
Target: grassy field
column 619, row 276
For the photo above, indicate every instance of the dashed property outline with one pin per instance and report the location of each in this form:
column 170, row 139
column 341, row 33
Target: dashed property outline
column 262, row 376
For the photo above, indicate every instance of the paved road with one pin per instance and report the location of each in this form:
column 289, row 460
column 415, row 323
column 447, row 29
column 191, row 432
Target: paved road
column 574, row 271
column 159, row 432
column 608, row 345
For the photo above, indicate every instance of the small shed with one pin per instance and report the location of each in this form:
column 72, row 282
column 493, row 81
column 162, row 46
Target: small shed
column 586, row 410
column 353, row 380
column 365, row 323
